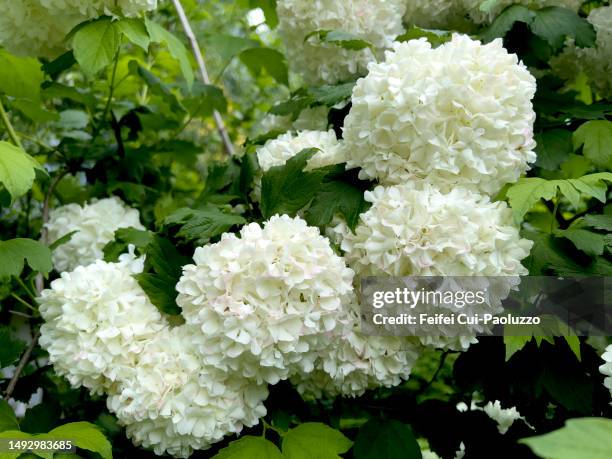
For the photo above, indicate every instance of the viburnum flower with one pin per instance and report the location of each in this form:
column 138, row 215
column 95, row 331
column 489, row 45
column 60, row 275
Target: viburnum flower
column 173, row 404
column 349, row 362
column 596, row 62
column 38, row 27
column 94, row 225
column 504, row 417
column 459, row 114
column 606, row 368
column 377, row 21
column 258, row 297
column 422, row 231
column 97, row 320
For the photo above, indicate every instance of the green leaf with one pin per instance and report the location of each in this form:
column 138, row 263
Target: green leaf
column 589, row 242
column 269, row 9
column 176, row 48
column 206, row 98
column 527, row 191
column 59, row 64
column 345, row 40
column 601, row 222
column 123, row 238
column 10, row 347
column 34, row 111
column 331, row 95
column 135, row 31
column 85, row 436
column 8, row 421
column 514, row 344
column 553, row 148
column 286, row 189
column 336, row 197
column 96, row 44
column 200, row 225
column 62, row 240
column 268, row 59
column 250, row 447
column 16, row 169
column 21, row 77
column 16, row 435
column 386, row 438
column 573, row 343
column 581, row 438
column 163, row 268
column 596, row 139
column 435, row 37
column 314, row 440
column 506, row 20
column 14, row 251
column 554, row 24
column 229, row 46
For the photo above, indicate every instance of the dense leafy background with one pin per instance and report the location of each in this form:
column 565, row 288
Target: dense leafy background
column 123, row 114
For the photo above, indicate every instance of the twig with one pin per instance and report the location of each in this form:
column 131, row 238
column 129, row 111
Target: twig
column 22, row 363
column 436, row 373
column 9, row 127
column 227, row 143
column 40, row 285
column 20, row 314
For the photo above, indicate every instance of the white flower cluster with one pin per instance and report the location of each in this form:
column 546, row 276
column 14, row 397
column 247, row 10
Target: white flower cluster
column 355, row 363
column 97, row 320
column 423, row 231
column 596, row 62
column 94, row 225
column 172, row 403
column 606, row 368
column 261, row 299
column 459, row 114
column 38, row 27
column 377, row 21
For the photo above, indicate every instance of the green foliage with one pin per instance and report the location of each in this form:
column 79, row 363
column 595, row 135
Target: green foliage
column 96, row 44
column 340, row 38
column 124, row 237
column 554, row 147
column 313, row 440
column 200, row 225
column 528, row 191
column 268, row 59
column 552, row 24
column 14, row 252
column 83, row 435
column 596, row 139
column 585, row 438
column 250, row 447
column 163, row 268
column 8, row 421
column 386, row 438
column 10, row 347
column 21, row 77
column 17, row 169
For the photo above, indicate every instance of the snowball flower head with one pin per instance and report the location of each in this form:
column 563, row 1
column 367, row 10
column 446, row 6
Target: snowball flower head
column 377, row 21
column 97, row 320
column 349, row 362
column 38, row 27
column 95, row 225
column 606, row 368
column 459, row 114
column 259, row 297
column 173, row 404
column 422, row 231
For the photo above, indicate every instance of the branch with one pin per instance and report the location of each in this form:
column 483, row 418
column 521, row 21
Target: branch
column 9, row 127
column 227, row 143
column 25, row 358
